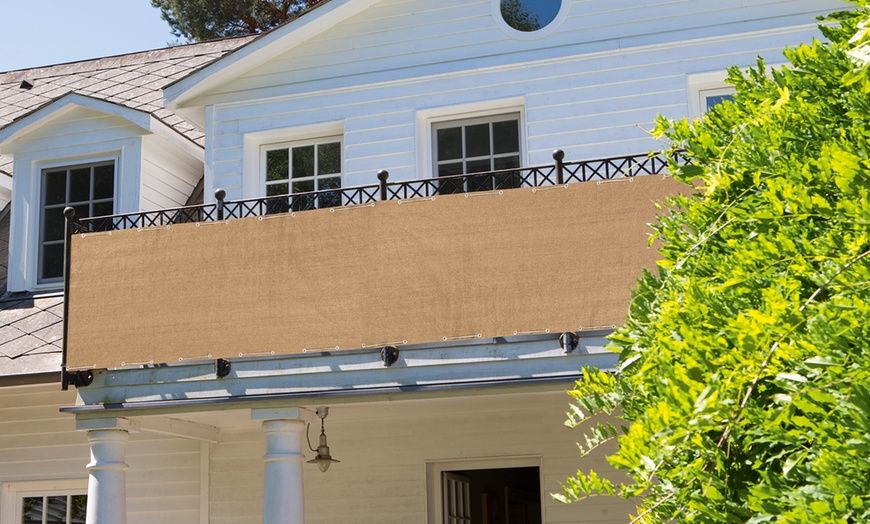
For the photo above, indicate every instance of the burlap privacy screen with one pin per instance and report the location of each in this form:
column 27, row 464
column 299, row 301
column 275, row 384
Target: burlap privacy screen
column 395, row 272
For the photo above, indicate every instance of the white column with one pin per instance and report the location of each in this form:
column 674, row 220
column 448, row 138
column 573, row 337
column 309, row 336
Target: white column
column 107, row 486
column 282, row 489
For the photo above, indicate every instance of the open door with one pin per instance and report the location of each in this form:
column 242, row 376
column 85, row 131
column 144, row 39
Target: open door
column 457, row 498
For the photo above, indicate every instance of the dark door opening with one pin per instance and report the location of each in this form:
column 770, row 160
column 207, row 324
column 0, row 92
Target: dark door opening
column 492, row 496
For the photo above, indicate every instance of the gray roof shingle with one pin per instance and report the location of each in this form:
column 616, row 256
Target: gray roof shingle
column 135, row 80
column 31, row 327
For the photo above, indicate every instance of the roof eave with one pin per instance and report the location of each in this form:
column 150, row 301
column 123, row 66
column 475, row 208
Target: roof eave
column 44, row 114
column 186, row 90
column 63, row 104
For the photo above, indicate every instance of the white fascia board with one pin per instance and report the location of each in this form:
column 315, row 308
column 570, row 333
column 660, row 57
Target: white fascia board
column 52, row 110
column 260, row 51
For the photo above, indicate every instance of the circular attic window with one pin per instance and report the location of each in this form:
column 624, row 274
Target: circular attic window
column 529, row 16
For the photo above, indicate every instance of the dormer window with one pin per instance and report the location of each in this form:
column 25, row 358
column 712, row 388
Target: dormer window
column 87, row 188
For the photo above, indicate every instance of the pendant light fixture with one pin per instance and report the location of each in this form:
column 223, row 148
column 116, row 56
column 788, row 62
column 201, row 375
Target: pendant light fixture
column 323, row 458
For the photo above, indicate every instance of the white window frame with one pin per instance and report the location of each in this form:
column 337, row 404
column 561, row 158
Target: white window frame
column 428, row 118
column 58, row 281
column 435, row 468
column 26, row 234
column 489, row 119
column 12, row 494
column 703, row 85
column 265, row 148
column 254, row 160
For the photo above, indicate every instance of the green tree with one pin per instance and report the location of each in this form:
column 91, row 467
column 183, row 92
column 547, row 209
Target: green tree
column 744, row 373
column 200, row 20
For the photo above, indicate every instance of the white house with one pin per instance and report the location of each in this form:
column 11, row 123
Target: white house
column 429, row 325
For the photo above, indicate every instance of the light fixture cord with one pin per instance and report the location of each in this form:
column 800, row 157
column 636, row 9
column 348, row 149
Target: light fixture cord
column 308, row 436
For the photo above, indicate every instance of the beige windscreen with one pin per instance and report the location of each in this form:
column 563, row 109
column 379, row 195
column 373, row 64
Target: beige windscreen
column 395, row 272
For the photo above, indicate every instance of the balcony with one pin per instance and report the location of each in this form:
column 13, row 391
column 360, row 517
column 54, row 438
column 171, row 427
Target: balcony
column 537, row 250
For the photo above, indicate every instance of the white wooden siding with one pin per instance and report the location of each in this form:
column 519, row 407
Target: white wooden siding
column 591, row 105
column 384, row 448
column 37, row 442
column 168, row 174
column 406, row 38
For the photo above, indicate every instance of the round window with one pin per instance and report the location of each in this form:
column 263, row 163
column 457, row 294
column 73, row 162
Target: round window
column 529, row 15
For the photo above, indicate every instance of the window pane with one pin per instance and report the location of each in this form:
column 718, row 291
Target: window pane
column 330, row 199
column 449, row 143
column 478, row 166
column 55, row 187
column 277, row 164
column 506, row 137
column 450, row 169
column 53, row 224
column 329, row 158
column 102, row 209
column 303, row 186
column 82, row 210
column 104, row 182
column 715, row 100
column 480, row 183
column 31, row 512
column 277, row 189
column 507, row 162
column 80, row 185
column 52, row 261
column 477, row 140
column 78, row 509
column 56, row 510
column 329, row 183
column 303, row 162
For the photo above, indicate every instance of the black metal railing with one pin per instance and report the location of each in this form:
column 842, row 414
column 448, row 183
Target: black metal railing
column 555, row 174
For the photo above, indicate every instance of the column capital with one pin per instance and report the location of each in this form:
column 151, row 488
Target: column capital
column 108, row 423
column 276, row 414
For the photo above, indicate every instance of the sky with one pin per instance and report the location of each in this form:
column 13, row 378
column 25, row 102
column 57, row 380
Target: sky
column 43, row 32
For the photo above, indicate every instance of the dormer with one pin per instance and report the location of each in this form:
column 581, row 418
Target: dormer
column 98, row 157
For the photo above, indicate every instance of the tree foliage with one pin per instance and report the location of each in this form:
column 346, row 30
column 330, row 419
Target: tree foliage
column 200, row 20
column 745, row 361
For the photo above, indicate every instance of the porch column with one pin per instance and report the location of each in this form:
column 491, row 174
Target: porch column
column 282, row 489
column 107, row 486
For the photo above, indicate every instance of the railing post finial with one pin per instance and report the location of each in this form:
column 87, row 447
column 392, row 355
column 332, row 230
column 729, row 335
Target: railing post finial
column 559, row 156
column 220, row 195
column 383, row 175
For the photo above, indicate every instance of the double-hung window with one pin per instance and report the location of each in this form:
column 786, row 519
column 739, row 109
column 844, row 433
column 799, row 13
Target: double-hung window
column 478, row 145
column 302, row 168
column 87, row 188
column 44, row 502
column 61, row 509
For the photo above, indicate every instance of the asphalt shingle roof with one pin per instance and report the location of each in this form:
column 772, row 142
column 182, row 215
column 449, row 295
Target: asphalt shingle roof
column 135, row 80
column 31, row 327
